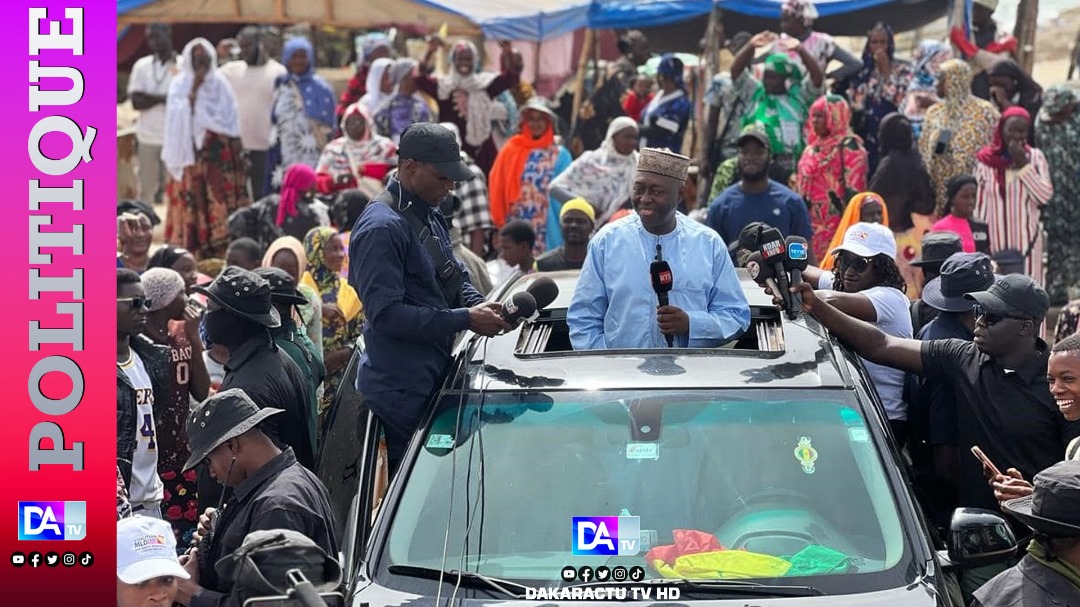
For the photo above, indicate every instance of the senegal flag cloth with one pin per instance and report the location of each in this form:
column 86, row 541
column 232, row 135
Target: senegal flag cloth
column 699, row 555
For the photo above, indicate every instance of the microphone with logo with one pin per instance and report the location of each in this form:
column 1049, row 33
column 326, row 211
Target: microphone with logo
column 796, row 261
column 762, row 273
column 773, row 254
column 521, row 306
column 662, row 281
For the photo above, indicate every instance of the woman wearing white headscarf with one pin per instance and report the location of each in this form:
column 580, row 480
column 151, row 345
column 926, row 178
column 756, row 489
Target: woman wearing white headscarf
column 406, row 106
column 379, row 85
column 466, row 96
column 603, row 176
column 203, row 155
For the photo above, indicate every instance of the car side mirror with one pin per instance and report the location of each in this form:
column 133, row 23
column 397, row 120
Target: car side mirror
column 977, row 537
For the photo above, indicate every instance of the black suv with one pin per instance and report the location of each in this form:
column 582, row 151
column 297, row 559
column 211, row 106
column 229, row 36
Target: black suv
column 773, row 451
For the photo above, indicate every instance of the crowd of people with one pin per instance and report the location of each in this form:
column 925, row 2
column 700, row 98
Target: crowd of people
column 936, row 194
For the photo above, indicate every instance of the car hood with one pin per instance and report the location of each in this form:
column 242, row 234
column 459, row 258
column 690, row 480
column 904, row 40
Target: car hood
column 915, row 595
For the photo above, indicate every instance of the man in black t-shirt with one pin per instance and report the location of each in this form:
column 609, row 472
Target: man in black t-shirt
column 998, row 381
column 577, row 220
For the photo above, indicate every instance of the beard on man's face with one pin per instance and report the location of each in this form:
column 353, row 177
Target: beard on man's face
column 756, row 176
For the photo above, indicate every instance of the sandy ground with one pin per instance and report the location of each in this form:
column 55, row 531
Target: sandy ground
column 1053, row 44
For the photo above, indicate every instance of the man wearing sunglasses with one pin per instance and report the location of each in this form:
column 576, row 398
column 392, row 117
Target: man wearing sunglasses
column 142, row 369
column 998, row 382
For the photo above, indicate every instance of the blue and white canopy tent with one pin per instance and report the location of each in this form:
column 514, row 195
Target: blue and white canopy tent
column 536, row 20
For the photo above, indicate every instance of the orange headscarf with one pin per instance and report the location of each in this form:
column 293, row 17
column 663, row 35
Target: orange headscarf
column 504, row 183
column 851, row 216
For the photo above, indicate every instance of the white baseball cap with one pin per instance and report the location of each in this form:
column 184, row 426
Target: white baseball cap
column 868, row 240
column 146, row 549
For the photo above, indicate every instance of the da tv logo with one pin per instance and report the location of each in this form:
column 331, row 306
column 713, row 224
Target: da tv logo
column 52, row 520
column 606, row 535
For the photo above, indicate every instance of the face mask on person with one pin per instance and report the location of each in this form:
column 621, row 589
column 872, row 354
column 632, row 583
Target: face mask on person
column 225, row 328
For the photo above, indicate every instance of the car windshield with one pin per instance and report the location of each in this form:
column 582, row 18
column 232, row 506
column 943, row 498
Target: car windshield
column 748, row 484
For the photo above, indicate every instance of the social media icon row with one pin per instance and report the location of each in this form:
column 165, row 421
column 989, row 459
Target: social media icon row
column 603, row 574
column 51, row 559
column 52, row 521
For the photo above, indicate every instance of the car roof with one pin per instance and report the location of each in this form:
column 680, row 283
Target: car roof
column 810, row 358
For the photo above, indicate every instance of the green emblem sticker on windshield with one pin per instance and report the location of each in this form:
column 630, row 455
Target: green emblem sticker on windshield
column 642, row 450
column 806, row 454
column 440, row 441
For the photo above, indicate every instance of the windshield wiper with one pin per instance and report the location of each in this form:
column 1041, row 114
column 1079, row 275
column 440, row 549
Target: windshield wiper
column 454, row 576
column 716, row 587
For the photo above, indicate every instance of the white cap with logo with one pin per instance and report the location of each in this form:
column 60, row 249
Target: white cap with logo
column 146, row 549
column 868, row 240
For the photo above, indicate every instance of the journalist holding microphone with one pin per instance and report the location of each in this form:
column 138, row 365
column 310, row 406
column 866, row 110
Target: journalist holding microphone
column 657, row 279
column 865, row 283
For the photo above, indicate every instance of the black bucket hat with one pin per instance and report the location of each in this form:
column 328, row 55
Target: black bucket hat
column 225, row 415
column 243, row 293
column 937, row 247
column 962, row 273
column 1053, row 509
column 282, row 286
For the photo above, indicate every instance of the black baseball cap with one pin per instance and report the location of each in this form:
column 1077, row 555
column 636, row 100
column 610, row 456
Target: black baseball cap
column 1014, row 295
column 436, row 145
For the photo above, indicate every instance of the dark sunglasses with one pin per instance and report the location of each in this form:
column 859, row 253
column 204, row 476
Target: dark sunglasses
column 991, row 318
column 137, row 303
column 854, row 262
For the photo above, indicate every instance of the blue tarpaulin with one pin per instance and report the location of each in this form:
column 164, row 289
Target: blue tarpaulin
column 124, row 6
column 540, row 19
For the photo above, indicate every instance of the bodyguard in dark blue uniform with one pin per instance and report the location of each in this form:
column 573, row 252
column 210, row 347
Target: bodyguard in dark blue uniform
column 417, row 295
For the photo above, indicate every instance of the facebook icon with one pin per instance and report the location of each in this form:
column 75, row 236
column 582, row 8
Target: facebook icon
column 52, row 520
column 606, row 535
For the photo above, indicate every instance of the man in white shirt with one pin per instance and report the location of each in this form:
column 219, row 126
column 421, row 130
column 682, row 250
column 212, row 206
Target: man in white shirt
column 141, row 376
column 252, row 78
column 147, row 88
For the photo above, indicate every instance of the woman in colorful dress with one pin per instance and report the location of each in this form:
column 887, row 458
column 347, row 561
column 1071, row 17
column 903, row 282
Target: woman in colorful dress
column 359, row 152
column 519, row 186
column 604, row 176
column 203, row 155
column 956, row 128
column 664, row 120
column 1057, row 134
column 342, row 313
column 780, row 100
column 879, row 89
column 832, row 165
column 1014, row 186
column 302, row 112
